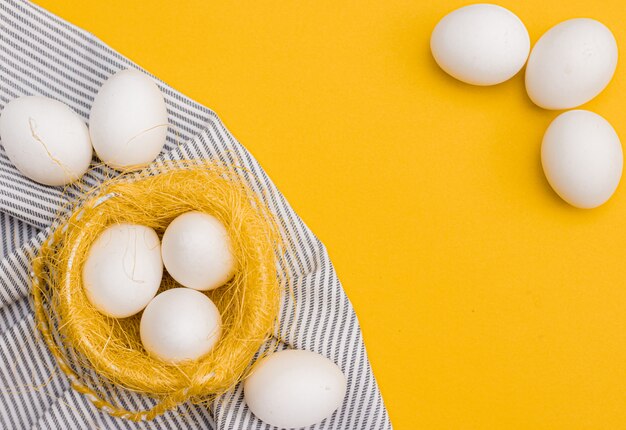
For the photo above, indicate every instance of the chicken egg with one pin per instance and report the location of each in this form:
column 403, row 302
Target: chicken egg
column 481, row 44
column 45, row 140
column 123, row 269
column 197, row 251
column 294, row 389
column 582, row 158
column 571, row 64
column 180, row 324
column 128, row 121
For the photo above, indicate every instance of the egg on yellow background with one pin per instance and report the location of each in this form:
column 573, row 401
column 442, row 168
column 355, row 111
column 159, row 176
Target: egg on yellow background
column 486, row 301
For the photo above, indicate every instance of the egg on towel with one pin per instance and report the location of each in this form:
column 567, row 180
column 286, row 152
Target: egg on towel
column 197, row 251
column 571, row 64
column 123, row 269
column 45, row 140
column 180, row 324
column 128, row 121
column 480, row 44
column 582, row 158
column 294, row 389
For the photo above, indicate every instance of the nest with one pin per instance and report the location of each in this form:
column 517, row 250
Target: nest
column 103, row 355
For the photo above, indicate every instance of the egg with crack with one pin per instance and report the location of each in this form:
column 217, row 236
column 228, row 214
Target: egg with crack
column 123, row 269
column 45, row 140
column 128, row 121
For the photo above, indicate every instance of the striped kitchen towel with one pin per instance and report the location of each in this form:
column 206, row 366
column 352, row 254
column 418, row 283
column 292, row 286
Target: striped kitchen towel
column 41, row 54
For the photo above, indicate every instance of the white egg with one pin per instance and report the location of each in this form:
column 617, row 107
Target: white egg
column 180, row 324
column 481, row 44
column 582, row 158
column 45, row 140
column 293, row 389
column 128, row 121
column 197, row 251
column 571, row 64
column 123, row 269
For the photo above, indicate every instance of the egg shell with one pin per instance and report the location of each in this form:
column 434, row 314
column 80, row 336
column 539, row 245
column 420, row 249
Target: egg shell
column 128, row 121
column 179, row 325
column 197, row 251
column 45, row 140
column 571, row 64
column 481, row 44
column 294, row 389
column 582, row 158
column 123, row 269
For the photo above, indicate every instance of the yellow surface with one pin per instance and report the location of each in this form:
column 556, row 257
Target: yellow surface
column 486, row 302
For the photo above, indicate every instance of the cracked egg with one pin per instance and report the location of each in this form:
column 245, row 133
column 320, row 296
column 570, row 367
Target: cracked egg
column 45, row 140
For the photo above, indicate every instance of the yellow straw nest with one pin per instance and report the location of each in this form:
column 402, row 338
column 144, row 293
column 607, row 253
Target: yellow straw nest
column 103, row 356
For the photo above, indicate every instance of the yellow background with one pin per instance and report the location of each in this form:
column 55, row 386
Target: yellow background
column 485, row 301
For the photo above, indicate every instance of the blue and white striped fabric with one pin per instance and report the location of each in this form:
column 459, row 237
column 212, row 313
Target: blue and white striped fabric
column 41, row 54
